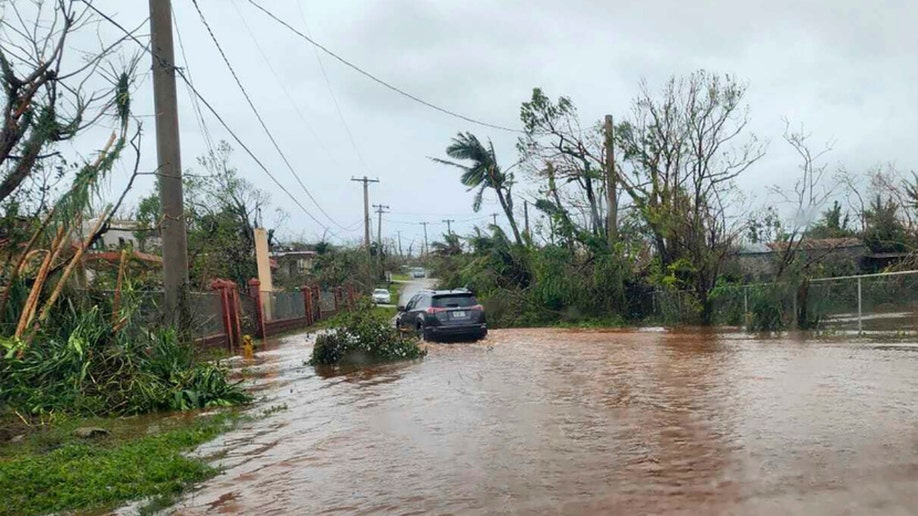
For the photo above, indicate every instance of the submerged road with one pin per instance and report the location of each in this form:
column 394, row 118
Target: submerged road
column 578, row 422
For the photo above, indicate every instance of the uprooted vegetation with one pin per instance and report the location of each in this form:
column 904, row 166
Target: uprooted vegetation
column 363, row 337
column 65, row 347
column 87, row 363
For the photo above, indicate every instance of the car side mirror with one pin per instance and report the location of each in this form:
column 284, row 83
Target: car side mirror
column 401, row 308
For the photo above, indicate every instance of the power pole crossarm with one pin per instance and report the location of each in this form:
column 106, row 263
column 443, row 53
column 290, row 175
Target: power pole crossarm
column 449, row 225
column 169, row 158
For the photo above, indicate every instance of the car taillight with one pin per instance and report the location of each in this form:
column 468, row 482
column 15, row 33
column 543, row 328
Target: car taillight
column 478, row 308
column 435, row 310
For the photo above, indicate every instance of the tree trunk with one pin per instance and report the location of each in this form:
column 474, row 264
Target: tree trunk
column 506, row 202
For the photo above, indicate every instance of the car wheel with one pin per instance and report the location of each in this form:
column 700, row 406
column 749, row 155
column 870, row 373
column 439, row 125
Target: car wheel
column 425, row 335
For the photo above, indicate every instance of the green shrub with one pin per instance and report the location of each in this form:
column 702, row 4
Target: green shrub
column 767, row 308
column 364, row 337
column 79, row 362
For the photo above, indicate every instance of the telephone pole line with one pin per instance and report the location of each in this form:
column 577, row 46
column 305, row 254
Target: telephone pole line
column 526, row 217
column 366, row 205
column 380, row 209
column 449, row 225
column 426, row 250
column 169, row 161
column 611, row 182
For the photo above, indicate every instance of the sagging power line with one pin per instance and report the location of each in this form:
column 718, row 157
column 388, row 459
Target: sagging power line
column 378, row 80
column 258, row 116
column 213, row 111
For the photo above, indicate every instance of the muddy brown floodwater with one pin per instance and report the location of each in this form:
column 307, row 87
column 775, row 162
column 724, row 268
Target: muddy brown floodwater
column 574, row 422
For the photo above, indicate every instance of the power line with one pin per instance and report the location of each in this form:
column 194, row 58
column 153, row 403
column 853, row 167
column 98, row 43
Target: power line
column 380, row 81
column 283, row 86
column 199, row 115
column 261, row 121
column 181, row 73
column 331, row 92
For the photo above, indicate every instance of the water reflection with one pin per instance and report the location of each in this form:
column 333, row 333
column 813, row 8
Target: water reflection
column 582, row 421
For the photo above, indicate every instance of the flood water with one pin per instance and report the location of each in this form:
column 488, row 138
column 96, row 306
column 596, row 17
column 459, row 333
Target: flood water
column 574, row 422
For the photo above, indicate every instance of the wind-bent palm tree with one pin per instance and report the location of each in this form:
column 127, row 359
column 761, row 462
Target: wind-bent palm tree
column 482, row 173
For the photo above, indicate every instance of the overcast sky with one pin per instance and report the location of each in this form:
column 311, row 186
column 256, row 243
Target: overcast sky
column 845, row 68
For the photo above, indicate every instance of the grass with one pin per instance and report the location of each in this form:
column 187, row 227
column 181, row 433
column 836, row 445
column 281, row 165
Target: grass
column 51, row 470
column 401, row 277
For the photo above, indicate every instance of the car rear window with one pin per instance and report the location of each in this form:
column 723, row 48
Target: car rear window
column 455, row 301
column 380, row 291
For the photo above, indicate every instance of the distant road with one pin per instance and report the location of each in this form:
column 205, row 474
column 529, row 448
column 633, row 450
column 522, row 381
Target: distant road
column 412, row 286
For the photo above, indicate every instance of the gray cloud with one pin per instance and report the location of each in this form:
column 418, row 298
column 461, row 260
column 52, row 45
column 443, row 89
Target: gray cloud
column 845, row 68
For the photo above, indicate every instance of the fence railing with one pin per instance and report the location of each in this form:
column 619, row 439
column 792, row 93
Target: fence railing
column 869, row 302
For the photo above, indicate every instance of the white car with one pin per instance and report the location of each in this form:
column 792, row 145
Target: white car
column 381, row 296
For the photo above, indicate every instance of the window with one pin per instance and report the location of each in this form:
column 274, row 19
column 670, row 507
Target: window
column 423, row 302
column 455, row 301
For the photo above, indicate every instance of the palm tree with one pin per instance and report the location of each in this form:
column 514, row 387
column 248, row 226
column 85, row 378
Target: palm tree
column 482, row 173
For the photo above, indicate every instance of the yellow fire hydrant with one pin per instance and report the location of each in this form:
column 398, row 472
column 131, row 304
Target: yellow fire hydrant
column 248, row 347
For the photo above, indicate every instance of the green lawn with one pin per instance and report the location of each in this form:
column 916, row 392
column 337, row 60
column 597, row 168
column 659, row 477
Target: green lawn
column 51, row 470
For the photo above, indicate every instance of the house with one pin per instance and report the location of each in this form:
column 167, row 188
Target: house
column 836, row 256
column 290, row 264
column 121, row 233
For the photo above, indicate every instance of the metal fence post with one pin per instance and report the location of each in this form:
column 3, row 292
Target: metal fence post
column 860, row 321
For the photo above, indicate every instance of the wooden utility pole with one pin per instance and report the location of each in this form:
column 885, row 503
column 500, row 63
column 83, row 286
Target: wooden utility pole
column 366, row 206
column 169, row 161
column 426, row 250
column 494, row 219
column 611, row 183
column 399, row 243
column 449, row 226
column 526, row 217
column 380, row 209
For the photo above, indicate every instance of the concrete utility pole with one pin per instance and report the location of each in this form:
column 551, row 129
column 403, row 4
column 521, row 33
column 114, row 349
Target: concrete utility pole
column 169, row 161
column 611, row 183
column 380, row 209
column 449, row 225
column 526, row 216
column 366, row 205
column 426, row 250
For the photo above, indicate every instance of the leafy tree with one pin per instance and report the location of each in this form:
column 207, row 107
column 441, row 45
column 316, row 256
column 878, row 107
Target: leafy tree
column 560, row 150
column 221, row 209
column 884, row 232
column 482, row 173
column 685, row 148
column 450, row 246
column 835, row 223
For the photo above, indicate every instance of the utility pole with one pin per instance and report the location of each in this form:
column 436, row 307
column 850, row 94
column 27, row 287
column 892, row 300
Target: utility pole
column 366, row 205
column 426, row 250
column 399, row 243
column 380, row 209
column 449, row 225
column 526, row 217
column 494, row 219
column 611, row 183
column 169, row 161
